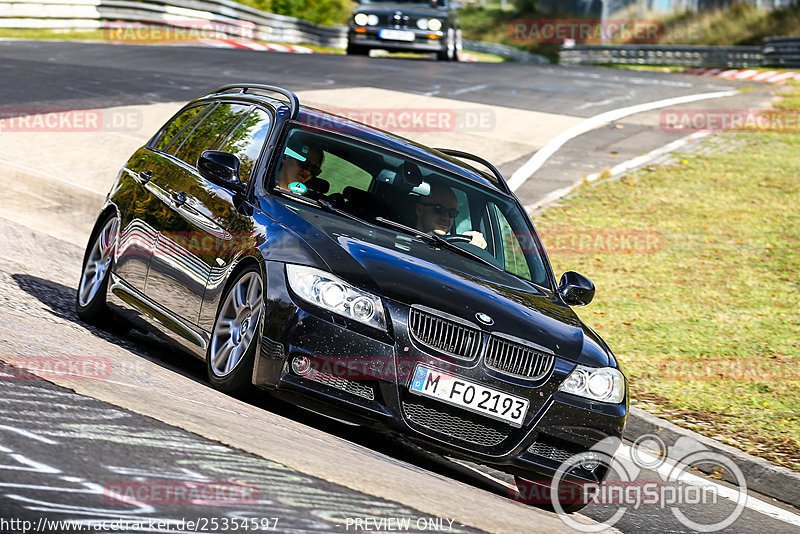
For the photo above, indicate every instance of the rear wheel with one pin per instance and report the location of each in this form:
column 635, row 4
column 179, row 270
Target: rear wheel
column 90, row 302
column 231, row 352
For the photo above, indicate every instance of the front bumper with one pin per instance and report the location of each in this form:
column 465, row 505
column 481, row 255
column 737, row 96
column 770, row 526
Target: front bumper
column 421, row 43
column 362, row 375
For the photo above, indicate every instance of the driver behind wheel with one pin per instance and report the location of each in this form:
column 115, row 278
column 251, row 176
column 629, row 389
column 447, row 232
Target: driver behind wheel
column 437, row 212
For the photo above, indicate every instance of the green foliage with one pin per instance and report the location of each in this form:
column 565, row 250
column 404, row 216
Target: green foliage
column 325, row 12
column 706, row 324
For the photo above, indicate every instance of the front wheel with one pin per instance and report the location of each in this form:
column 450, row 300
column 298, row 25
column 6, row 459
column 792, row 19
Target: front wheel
column 356, row 50
column 231, row 353
column 90, row 302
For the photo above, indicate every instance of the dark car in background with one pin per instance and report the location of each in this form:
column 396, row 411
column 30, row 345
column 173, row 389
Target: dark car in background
column 406, row 25
column 286, row 247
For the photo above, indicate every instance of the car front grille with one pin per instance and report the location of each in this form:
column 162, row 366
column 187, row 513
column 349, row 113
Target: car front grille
column 517, row 359
column 453, row 425
column 351, row 386
column 444, row 334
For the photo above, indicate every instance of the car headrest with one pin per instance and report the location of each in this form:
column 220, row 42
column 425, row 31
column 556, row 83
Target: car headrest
column 412, row 176
column 318, row 185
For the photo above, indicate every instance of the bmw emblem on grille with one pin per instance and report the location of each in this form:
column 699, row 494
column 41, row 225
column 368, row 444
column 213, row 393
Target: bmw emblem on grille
column 485, row 319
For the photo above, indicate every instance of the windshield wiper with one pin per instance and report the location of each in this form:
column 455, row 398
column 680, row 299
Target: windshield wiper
column 435, row 240
column 320, row 203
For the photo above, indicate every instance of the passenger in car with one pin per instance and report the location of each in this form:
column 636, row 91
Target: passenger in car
column 300, row 163
column 437, row 212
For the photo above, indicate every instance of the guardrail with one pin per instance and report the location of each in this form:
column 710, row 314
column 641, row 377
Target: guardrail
column 672, row 55
column 508, row 52
column 225, row 17
column 782, row 51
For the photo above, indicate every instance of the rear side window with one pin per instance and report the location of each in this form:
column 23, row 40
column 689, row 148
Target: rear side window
column 341, row 174
column 247, row 140
column 176, row 126
column 209, row 132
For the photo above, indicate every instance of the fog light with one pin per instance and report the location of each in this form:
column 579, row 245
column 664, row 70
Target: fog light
column 589, row 461
column 301, row 365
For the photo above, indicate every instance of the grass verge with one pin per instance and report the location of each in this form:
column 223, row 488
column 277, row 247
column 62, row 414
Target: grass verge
column 696, row 264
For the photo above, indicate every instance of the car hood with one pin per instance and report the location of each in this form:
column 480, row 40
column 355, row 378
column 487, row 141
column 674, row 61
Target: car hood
column 406, row 9
column 411, row 272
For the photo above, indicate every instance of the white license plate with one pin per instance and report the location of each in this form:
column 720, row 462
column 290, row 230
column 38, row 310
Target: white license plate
column 396, row 35
column 469, row 395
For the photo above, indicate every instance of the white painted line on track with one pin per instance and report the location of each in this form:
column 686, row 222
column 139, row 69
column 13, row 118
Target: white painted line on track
column 469, row 89
column 543, row 154
column 650, row 156
column 726, row 492
column 27, row 434
column 617, row 170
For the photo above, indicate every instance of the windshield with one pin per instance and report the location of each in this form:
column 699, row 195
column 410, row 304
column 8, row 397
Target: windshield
column 377, row 185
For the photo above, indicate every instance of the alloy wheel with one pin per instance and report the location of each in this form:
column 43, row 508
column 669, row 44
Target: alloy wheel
column 236, row 325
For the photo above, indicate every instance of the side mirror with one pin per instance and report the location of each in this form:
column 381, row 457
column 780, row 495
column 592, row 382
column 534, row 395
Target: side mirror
column 576, row 289
column 220, row 168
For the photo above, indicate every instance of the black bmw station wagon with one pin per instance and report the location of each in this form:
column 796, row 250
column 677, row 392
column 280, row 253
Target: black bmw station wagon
column 358, row 274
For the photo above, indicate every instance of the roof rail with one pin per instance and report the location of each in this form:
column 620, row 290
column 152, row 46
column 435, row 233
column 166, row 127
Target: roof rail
column 294, row 103
column 472, row 157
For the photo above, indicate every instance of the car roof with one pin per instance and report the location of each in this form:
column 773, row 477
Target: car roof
column 319, row 119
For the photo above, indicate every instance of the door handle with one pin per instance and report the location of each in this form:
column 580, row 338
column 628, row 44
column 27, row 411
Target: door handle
column 179, row 199
column 145, row 176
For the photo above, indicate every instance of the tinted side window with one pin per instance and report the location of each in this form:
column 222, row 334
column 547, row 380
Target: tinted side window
column 513, row 251
column 341, row 173
column 176, row 125
column 210, row 131
column 247, row 140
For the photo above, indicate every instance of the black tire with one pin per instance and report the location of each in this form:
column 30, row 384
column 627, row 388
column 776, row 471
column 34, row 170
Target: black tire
column 90, row 299
column 448, row 53
column 355, row 50
column 234, row 339
column 571, row 497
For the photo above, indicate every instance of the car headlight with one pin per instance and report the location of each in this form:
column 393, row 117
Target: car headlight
column 330, row 292
column 604, row 384
column 422, row 24
column 372, row 20
column 361, row 19
column 434, row 25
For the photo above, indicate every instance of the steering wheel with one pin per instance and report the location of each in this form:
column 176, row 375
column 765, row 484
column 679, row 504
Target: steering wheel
column 458, row 238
